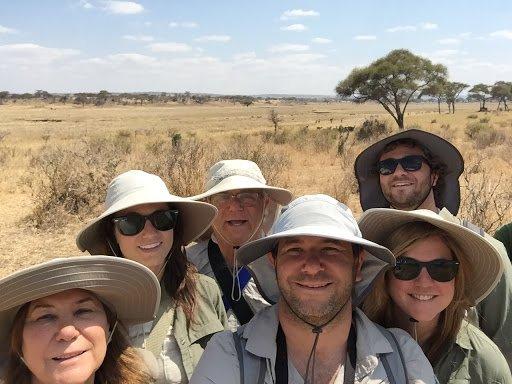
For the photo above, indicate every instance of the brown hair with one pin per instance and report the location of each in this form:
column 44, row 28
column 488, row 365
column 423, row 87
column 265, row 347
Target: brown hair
column 379, row 306
column 179, row 278
column 436, row 165
column 122, row 364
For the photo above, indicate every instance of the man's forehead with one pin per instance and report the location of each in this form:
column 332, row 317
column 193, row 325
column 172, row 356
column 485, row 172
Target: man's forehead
column 399, row 149
column 311, row 239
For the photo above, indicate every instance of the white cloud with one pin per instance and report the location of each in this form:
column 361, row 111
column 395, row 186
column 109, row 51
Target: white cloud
column 169, row 47
column 29, row 53
column 123, row 7
column 321, row 40
column 303, row 57
column 86, row 5
column 144, row 38
column 429, row 25
column 183, row 24
column 365, row 37
column 402, row 28
column 148, row 23
column 465, row 35
column 6, row 30
column 288, row 48
column 244, row 56
column 448, row 41
column 214, row 38
column 447, row 52
column 504, row 33
column 296, row 13
column 132, row 58
column 294, row 27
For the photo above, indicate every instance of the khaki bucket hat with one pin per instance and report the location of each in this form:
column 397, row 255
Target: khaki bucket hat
column 448, row 194
column 138, row 187
column 228, row 175
column 128, row 288
column 378, row 224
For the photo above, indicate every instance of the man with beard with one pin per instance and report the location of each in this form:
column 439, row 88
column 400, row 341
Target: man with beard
column 246, row 206
column 315, row 333
column 415, row 169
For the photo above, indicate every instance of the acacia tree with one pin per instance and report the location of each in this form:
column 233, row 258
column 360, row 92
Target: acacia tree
column 480, row 92
column 436, row 90
column 392, row 81
column 452, row 90
column 502, row 90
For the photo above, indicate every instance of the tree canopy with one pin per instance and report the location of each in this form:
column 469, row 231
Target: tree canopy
column 502, row 90
column 480, row 92
column 392, row 81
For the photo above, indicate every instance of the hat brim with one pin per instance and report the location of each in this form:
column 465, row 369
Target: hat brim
column 280, row 195
column 486, row 265
column 128, row 288
column 370, row 192
column 195, row 218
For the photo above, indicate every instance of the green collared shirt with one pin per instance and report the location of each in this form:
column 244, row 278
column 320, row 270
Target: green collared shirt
column 473, row 359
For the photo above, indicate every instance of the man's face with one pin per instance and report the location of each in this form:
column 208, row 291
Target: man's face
column 407, row 190
column 315, row 276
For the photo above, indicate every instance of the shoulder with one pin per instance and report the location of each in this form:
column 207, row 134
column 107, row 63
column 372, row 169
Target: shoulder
column 206, row 284
column 197, row 254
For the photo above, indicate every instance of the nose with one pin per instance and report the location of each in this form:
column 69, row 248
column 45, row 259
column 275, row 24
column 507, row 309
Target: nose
column 148, row 229
column 234, row 204
column 424, row 278
column 400, row 170
column 312, row 264
column 67, row 332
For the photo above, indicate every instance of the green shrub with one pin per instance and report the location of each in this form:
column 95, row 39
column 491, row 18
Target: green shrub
column 371, row 129
column 473, row 116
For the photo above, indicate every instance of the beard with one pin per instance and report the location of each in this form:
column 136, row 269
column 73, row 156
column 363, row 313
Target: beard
column 408, row 200
column 315, row 312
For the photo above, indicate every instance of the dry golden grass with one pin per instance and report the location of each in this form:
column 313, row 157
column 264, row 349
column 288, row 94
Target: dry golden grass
column 306, row 161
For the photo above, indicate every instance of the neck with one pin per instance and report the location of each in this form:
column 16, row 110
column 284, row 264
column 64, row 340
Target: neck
column 331, row 349
column 227, row 251
column 422, row 331
column 35, row 380
column 429, row 202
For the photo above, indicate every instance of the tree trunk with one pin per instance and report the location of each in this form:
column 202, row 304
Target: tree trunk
column 506, row 106
column 449, row 107
column 499, row 103
column 400, row 120
column 453, row 107
column 439, row 105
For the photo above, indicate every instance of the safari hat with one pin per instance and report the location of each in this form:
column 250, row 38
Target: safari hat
column 138, row 187
column 378, row 224
column 228, row 175
column 447, row 192
column 128, row 288
column 320, row 216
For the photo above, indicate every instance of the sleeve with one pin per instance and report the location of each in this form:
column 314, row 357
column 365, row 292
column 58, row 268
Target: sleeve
column 219, row 305
column 419, row 370
column 219, row 362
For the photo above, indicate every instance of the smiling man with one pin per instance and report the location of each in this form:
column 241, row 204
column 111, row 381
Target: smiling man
column 314, row 334
column 246, row 206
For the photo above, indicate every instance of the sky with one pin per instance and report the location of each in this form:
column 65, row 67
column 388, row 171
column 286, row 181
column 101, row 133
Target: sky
column 241, row 47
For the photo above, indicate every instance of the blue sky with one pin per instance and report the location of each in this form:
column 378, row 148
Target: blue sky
column 241, row 47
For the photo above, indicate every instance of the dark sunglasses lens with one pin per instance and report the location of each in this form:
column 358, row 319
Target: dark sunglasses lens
column 130, row 224
column 406, row 270
column 387, row 167
column 442, row 271
column 411, row 163
column 163, row 220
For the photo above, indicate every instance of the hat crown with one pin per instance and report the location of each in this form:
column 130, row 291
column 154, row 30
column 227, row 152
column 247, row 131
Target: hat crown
column 320, row 211
column 131, row 182
column 228, row 168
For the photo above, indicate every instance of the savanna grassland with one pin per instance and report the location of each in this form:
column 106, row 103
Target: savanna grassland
column 56, row 160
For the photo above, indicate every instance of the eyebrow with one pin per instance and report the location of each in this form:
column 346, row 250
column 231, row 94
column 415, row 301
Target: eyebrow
column 44, row 306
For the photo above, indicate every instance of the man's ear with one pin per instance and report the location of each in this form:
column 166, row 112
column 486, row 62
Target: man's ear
column 434, row 176
column 358, row 264
column 271, row 259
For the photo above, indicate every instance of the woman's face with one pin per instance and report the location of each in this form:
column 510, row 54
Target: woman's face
column 423, row 298
column 149, row 247
column 64, row 338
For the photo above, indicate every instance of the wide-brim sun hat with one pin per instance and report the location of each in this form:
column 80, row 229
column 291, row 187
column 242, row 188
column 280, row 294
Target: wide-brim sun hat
column 318, row 216
column 129, row 289
column 486, row 265
column 365, row 167
column 138, row 187
column 229, row 175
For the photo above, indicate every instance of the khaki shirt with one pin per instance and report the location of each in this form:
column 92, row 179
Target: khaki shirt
column 472, row 358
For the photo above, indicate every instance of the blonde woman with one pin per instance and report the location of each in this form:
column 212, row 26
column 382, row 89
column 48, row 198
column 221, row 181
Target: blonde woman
column 62, row 321
column 442, row 269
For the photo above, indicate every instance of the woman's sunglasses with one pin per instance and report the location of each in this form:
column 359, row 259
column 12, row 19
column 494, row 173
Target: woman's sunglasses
column 409, row 163
column 439, row 270
column 133, row 223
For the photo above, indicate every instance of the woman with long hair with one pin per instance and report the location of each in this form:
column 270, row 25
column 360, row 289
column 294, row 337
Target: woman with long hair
column 62, row 321
column 442, row 269
column 143, row 222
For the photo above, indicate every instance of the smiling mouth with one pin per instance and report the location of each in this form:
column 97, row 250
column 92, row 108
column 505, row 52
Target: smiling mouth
column 151, row 246
column 402, row 184
column 236, row 223
column 67, row 356
column 313, row 285
column 422, row 297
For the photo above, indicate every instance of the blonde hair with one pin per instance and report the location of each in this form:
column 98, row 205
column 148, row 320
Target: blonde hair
column 122, row 364
column 379, row 306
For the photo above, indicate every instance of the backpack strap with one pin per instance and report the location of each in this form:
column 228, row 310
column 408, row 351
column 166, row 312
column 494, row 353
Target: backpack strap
column 393, row 362
column 240, row 346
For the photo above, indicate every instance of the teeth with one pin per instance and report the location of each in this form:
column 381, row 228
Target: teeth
column 236, row 222
column 422, row 297
column 149, row 246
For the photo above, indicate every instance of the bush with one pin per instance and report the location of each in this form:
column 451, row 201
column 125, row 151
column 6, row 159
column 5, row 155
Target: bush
column 485, row 120
column 472, row 116
column 371, row 129
column 484, row 134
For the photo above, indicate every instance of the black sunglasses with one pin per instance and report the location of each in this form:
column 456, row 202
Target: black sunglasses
column 440, row 270
column 409, row 163
column 133, row 223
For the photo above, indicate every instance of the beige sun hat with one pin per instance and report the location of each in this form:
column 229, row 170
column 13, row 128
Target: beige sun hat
column 378, row 224
column 138, row 187
column 128, row 288
column 228, row 175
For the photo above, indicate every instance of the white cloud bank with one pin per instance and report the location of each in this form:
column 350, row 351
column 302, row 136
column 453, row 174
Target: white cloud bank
column 504, row 33
column 183, row 24
column 321, row 40
column 144, row 38
column 169, row 47
column 294, row 28
column 365, row 37
column 7, row 30
column 213, row 38
column 288, row 48
column 297, row 13
column 123, row 7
